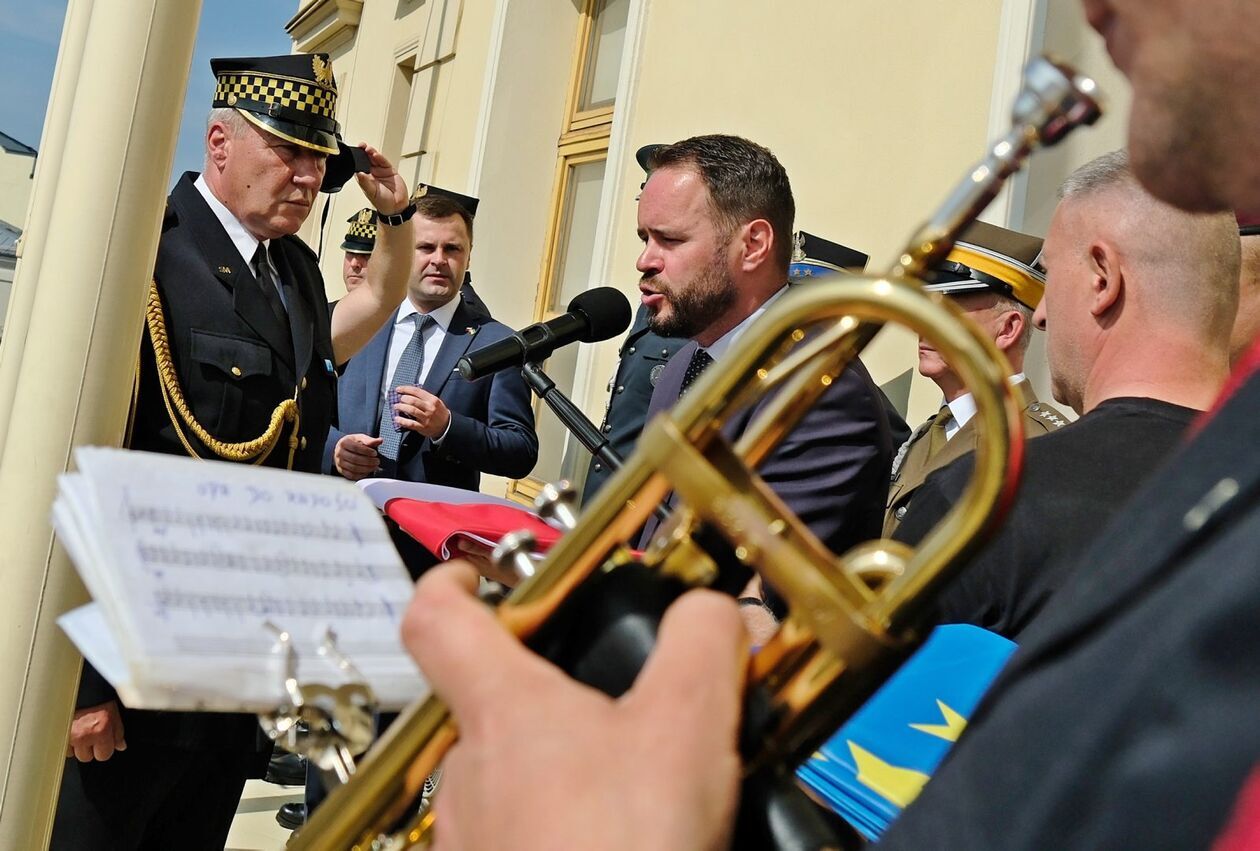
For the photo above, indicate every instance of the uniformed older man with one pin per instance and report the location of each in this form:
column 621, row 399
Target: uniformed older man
column 239, row 364
column 991, row 275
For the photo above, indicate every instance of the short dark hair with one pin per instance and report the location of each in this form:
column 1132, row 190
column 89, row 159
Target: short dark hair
column 745, row 182
column 441, row 207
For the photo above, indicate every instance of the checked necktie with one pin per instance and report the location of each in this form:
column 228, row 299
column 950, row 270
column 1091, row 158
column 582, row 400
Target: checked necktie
column 700, row 361
column 406, row 373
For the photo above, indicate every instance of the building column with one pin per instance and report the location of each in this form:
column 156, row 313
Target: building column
column 39, row 212
column 66, row 379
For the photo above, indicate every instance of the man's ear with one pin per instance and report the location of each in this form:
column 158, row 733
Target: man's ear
column 217, row 143
column 1009, row 329
column 757, row 244
column 1107, row 277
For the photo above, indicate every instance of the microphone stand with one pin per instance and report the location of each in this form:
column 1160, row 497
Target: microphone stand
column 575, row 421
column 570, row 416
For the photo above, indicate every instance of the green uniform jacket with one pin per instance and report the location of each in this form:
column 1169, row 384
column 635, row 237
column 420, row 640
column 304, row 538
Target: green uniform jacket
column 913, row 464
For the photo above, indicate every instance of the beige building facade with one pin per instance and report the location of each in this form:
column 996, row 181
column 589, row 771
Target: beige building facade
column 17, row 173
column 537, row 106
column 17, row 176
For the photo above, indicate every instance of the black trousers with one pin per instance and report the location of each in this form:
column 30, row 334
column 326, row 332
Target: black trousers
column 150, row 797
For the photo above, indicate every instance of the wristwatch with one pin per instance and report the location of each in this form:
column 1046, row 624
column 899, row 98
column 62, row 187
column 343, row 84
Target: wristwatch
column 398, row 218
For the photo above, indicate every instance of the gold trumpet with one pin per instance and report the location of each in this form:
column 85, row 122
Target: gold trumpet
column 853, row 617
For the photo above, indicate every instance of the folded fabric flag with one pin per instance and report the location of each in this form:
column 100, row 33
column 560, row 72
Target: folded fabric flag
column 880, row 759
column 438, row 525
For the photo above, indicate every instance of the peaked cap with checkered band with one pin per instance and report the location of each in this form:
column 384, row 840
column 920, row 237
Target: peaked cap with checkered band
column 361, row 235
column 293, row 97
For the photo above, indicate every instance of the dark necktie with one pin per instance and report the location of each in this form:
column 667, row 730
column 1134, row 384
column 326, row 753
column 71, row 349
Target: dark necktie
column 267, row 283
column 406, row 373
column 936, row 432
column 700, row 361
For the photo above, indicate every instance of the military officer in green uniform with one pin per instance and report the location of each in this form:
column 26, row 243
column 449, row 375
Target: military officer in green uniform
column 991, row 274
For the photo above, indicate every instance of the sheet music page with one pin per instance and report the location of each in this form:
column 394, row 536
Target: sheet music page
column 191, row 561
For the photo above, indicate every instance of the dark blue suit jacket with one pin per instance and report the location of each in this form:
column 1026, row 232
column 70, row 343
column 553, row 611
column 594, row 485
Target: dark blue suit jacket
column 832, row 469
column 492, row 419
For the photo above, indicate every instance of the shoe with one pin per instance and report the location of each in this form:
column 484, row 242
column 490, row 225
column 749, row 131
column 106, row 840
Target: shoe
column 291, row 816
column 286, row 769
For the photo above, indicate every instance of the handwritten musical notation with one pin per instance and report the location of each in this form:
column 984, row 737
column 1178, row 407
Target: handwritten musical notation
column 163, row 519
column 189, row 561
column 288, row 566
column 169, row 601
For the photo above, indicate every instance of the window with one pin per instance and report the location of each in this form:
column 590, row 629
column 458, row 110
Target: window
column 581, row 154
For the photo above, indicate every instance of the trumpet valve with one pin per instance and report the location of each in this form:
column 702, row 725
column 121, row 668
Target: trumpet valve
column 513, row 554
column 558, row 503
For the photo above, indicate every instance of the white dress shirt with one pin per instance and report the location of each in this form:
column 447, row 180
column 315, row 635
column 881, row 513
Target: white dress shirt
column 723, row 344
column 246, row 243
column 434, row 334
column 963, row 409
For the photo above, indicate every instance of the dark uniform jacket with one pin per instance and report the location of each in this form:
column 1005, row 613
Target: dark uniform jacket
column 233, row 356
column 235, row 364
column 914, row 462
column 1073, row 481
column 643, row 357
column 1127, row 718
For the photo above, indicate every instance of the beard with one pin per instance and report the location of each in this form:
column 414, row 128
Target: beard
column 696, row 304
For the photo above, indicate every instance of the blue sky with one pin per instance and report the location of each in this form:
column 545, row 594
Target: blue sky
column 30, row 31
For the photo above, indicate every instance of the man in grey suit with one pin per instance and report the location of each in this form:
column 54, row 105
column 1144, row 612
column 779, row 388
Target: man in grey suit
column 715, row 218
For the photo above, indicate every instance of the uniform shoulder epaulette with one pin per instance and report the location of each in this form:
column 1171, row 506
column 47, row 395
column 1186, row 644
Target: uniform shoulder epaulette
column 1050, row 418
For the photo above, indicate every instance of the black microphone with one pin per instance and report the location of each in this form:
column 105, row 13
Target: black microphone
column 594, row 315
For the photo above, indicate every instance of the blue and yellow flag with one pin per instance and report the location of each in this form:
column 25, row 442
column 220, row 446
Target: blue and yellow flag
column 879, row 760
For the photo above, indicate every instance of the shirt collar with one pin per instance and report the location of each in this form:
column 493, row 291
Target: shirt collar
column 724, row 343
column 964, row 407
column 442, row 315
column 246, row 243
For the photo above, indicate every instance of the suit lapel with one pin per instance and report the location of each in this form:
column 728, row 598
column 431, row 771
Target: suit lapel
column 664, row 397
column 963, row 441
column 665, row 393
column 225, row 263
column 459, row 337
column 1149, row 537
column 373, row 358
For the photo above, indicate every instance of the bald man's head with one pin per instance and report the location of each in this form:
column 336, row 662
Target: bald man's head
column 1188, row 263
column 1126, row 270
